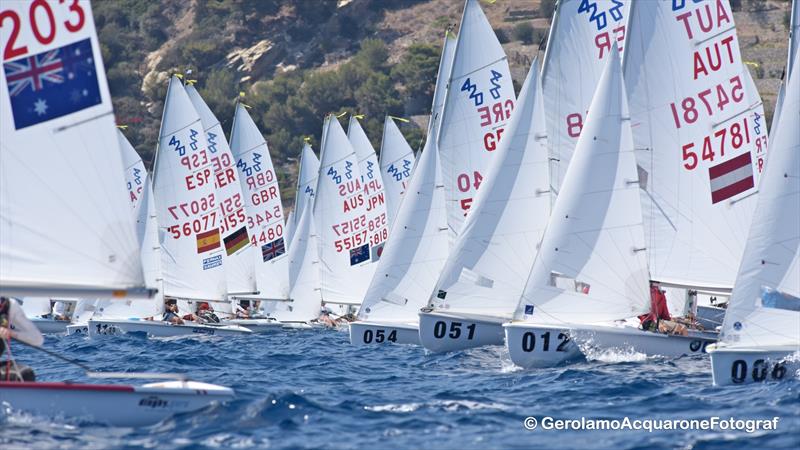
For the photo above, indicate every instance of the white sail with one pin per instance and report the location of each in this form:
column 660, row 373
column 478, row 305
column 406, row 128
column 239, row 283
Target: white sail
column 757, row 124
column 262, row 199
column 397, row 163
column 776, row 115
column 592, row 265
column 135, row 173
column 580, row 39
column 794, row 37
column 416, row 252
column 764, row 308
column 374, row 192
column 65, row 226
column 239, row 254
column 691, row 120
column 478, row 105
column 36, row 306
column 303, row 275
column 492, row 257
column 186, row 204
column 306, row 182
column 288, row 229
column 440, row 88
column 340, row 212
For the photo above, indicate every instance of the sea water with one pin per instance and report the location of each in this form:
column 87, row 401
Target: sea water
column 312, row 389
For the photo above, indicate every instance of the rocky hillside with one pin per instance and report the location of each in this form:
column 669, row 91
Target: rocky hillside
column 296, row 60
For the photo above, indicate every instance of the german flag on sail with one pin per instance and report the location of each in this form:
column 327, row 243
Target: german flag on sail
column 208, row 241
column 236, row 241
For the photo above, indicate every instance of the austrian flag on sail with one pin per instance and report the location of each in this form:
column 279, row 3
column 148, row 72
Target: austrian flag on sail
column 731, row 177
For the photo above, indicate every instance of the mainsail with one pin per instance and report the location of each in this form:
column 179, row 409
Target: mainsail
column 580, row 40
column 591, row 266
column 65, row 221
column 490, row 261
column 262, row 200
column 340, row 211
column 306, row 182
column 478, row 105
column 187, row 204
column 698, row 164
column 239, row 258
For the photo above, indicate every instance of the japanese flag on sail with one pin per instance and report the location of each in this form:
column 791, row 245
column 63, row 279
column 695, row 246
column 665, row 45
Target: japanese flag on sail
column 52, row 84
column 732, row 177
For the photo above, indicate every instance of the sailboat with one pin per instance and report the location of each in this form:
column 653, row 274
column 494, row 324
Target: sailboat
column 239, row 255
column 402, row 284
column 307, row 174
column 340, row 211
column 477, row 109
column 486, row 270
column 40, row 311
column 396, row 166
column 761, row 333
column 697, row 203
column 93, row 251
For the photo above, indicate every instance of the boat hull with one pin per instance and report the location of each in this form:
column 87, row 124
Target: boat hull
column 78, row 330
column 256, row 325
column 730, row 365
column 376, row 333
column 117, row 405
column 628, row 338
column 445, row 332
column 50, row 326
column 101, row 327
column 710, row 317
column 531, row 345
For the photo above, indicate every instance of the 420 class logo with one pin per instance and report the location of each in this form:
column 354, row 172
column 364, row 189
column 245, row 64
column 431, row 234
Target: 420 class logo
column 598, row 14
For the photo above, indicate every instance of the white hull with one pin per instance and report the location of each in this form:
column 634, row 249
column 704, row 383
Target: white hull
column 256, row 325
column 301, row 326
column 155, row 328
column 371, row 333
column 50, row 326
column 78, row 330
column 445, row 332
column 628, row 338
column 731, row 365
column 532, row 345
column 117, row 405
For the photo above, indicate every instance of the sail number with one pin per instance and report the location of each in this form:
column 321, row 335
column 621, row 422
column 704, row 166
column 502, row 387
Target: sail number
column 202, row 224
column 43, row 24
column 688, row 110
column 529, row 342
column 736, row 135
column 760, row 371
column 440, row 330
column 379, row 336
column 360, row 223
column 194, row 207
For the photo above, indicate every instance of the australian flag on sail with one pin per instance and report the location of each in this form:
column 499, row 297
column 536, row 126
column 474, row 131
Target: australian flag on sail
column 359, row 254
column 52, row 84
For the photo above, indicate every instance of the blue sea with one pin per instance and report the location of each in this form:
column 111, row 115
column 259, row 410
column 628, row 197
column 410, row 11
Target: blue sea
column 312, row 389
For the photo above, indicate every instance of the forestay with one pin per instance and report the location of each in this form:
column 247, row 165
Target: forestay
column 698, row 164
column 764, row 308
column 374, row 193
column 340, row 213
column 440, row 88
column 186, row 203
column 417, row 251
column 581, row 37
column 492, row 257
column 478, row 105
column 239, row 258
column 65, row 224
column 262, row 199
column 397, row 163
column 592, row 265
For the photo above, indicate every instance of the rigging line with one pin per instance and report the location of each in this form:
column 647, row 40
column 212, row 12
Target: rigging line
column 56, row 355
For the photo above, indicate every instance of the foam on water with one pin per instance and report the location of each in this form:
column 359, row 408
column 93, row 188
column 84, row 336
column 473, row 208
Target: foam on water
column 311, row 389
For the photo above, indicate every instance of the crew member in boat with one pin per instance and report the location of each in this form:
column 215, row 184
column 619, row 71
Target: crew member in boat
column 659, row 319
column 14, row 324
column 59, row 310
column 326, row 319
column 171, row 313
column 205, row 313
column 244, row 310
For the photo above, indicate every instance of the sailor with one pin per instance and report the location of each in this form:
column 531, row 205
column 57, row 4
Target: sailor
column 171, row 313
column 326, row 319
column 14, row 324
column 205, row 313
column 659, row 319
column 243, row 309
column 59, row 310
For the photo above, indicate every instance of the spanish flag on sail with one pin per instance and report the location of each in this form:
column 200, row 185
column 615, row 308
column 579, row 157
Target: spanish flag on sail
column 236, row 241
column 208, row 240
